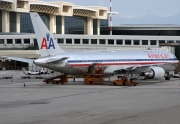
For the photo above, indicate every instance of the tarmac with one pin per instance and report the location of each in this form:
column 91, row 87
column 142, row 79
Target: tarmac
column 150, row 102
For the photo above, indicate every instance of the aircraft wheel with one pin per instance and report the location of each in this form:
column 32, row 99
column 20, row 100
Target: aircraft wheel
column 114, row 83
column 167, row 78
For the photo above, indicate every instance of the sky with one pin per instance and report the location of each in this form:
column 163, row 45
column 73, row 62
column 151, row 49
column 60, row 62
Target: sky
column 138, row 11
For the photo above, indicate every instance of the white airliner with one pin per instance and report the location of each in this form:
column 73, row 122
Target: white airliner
column 151, row 64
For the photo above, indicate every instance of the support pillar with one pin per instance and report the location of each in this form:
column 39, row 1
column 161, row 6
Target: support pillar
column 98, row 27
column 85, row 26
column 52, row 23
column 63, row 25
column 173, row 50
column 88, row 28
column 30, row 66
column 157, row 43
column 17, row 22
column 32, row 42
column 5, row 21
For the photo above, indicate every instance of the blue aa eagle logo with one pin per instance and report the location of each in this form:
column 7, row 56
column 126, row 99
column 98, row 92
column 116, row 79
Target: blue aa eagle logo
column 47, row 42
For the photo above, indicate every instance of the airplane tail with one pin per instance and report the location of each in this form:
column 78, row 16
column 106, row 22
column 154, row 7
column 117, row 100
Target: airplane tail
column 48, row 46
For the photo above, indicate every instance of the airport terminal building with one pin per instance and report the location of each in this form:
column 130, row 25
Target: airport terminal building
column 76, row 28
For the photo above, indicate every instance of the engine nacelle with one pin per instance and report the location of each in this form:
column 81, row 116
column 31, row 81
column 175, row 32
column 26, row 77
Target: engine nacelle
column 154, row 73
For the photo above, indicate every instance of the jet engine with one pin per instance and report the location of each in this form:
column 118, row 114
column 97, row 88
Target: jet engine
column 154, row 73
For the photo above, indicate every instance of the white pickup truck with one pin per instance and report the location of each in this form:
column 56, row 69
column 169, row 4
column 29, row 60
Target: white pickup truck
column 33, row 72
column 176, row 75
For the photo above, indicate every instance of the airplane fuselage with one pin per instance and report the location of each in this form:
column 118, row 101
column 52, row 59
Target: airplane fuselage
column 78, row 62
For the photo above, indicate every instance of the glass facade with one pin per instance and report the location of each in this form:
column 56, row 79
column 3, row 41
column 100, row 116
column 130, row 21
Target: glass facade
column 0, row 21
column 74, row 25
column 1, row 41
column 26, row 24
column 58, row 25
column 95, row 26
column 13, row 21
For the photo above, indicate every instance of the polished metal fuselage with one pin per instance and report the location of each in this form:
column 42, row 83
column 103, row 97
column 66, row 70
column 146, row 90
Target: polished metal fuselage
column 78, row 62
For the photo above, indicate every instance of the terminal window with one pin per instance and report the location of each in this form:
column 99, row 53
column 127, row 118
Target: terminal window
column 9, row 41
column 161, row 41
column 136, row 42
column 93, row 41
column 170, row 41
column 1, row 41
column 85, row 41
column 68, row 41
column 127, row 42
column 111, row 41
column 17, row 41
column 76, row 41
column 119, row 42
column 102, row 41
column 61, row 41
column 144, row 42
column 26, row 41
column 153, row 42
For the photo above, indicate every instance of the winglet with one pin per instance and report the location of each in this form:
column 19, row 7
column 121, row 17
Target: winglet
column 48, row 46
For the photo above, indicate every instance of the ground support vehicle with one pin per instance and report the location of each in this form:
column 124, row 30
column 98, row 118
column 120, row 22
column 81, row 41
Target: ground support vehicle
column 57, row 79
column 25, row 77
column 33, row 72
column 124, row 81
column 7, row 77
column 93, row 79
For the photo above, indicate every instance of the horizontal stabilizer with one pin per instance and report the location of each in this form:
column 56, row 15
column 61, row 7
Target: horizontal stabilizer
column 56, row 60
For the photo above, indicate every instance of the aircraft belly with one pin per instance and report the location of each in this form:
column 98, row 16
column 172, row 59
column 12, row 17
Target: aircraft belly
column 168, row 67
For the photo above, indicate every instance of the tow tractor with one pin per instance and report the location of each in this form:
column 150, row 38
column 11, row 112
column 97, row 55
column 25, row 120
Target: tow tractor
column 57, row 79
column 94, row 78
column 124, row 81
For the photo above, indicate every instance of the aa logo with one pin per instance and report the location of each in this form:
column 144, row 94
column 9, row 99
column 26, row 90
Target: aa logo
column 47, row 42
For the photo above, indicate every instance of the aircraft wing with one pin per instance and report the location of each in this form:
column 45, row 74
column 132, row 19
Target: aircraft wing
column 19, row 59
column 129, row 68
